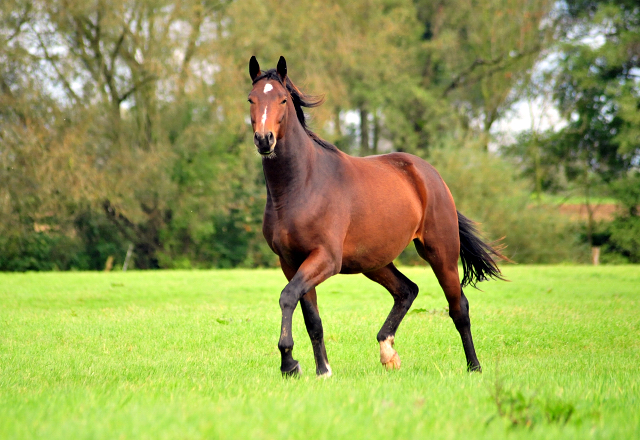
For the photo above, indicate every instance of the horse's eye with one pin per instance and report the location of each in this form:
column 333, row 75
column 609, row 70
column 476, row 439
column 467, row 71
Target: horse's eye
column 250, row 101
column 284, row 101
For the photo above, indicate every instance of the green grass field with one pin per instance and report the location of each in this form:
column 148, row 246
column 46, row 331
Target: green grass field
column 193, row 354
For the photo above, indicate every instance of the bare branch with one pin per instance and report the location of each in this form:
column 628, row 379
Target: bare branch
column 12, row 99
column 463, row 77
column 80, row 49
column 191, row 48
column 124, row 225
column 61, row 76
column 102, row 67
column 22, row 20
column 116, row 49
column 136, row 86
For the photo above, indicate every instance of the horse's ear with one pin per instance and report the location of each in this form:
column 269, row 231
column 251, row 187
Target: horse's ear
column 282, row 69
column 254, row 68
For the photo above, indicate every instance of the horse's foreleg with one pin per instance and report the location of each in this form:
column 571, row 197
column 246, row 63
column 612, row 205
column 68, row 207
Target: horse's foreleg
column 313, row 323
column 404, row 291
column 315, row 269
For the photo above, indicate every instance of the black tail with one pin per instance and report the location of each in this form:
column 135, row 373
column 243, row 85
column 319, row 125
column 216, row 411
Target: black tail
column 478, row 258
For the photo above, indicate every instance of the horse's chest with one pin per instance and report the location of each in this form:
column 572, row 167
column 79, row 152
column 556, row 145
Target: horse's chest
column 291, row 236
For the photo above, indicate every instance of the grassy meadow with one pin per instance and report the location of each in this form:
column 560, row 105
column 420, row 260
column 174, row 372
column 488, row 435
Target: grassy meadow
column 193, row 354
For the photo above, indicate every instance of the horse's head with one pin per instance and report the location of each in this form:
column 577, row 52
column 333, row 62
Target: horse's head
column 268, row 100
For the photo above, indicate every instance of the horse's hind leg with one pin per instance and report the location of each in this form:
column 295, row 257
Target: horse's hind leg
column 444, row 262
column 309, row 304
column 404, row 291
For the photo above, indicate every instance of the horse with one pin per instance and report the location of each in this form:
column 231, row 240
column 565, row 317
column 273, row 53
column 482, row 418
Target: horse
column 328, row 213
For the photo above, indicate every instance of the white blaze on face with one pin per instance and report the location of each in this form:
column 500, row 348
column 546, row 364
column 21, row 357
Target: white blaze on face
column 267, row 88
column 264, row 117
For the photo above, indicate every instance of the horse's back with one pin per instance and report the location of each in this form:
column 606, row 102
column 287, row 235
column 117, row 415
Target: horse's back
column 388, row 196
column 427, row 177
column 420, row 176
column 415, row 183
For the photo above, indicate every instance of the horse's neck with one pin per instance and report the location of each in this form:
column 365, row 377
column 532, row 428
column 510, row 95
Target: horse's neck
column 287, row 172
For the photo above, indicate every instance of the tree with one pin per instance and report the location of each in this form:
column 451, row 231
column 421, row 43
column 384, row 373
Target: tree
column 597, row 92
column 477, row 54
column 123, row 89
column 360, row 55
column 126, row 122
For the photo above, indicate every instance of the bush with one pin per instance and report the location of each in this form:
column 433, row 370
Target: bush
column 625, row 237
column 85, row 247
column 100, row 239
column 39, row 251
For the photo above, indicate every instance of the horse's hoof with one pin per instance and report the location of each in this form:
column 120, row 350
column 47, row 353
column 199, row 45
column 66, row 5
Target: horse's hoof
column 388, row 356
column 326, row 374
column 393, row 363
column 474, row 369
column 294, row 372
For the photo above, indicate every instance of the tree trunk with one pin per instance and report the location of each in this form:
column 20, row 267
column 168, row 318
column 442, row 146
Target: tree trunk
column 538, row 168
column 364, row 132
column 587, row 204
column 336, row 119
column 376, row 132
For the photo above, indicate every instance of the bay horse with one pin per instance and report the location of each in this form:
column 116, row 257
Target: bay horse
column 329, row 213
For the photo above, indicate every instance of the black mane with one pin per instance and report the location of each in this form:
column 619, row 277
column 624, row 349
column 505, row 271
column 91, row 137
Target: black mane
column 300, row 100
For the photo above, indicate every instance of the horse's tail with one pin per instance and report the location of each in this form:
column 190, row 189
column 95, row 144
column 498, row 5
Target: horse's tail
column 478, row 258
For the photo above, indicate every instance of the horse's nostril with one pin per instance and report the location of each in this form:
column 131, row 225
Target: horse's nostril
column 270, row 138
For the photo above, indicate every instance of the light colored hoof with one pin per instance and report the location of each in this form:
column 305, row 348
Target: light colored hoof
column 393, row 364
column 327, row 374
column 388, row 356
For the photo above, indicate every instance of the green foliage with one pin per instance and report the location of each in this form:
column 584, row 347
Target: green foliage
column 625, row 229
column 523, row 409
column 625, row 237
column 487, row 190
column 93, row 241
column 627, row 191
column 38, row 251
column 476, row 56
column 593, row 78
column 596, row 89
column 100, row 240
column 135, row 111
column 419, row 120
column 620, row 237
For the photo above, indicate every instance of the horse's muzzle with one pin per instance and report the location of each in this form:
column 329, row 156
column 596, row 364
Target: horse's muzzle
column 264, row 142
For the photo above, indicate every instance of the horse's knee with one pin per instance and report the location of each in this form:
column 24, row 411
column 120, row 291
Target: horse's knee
column 408, row 294
column 413, row 291
column 287, row 301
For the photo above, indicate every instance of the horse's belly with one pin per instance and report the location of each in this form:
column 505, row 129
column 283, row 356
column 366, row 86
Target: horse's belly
column 376, row 240
column 367, row 256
